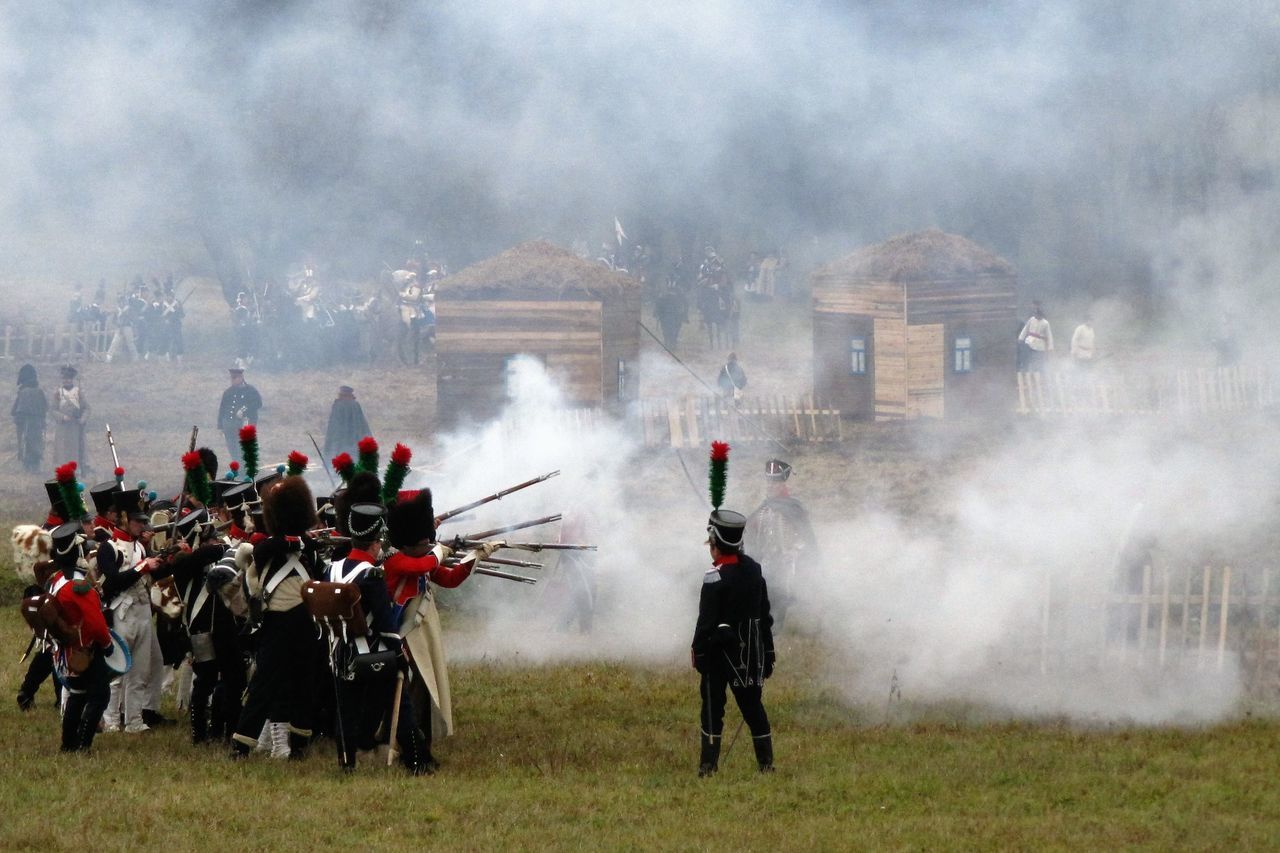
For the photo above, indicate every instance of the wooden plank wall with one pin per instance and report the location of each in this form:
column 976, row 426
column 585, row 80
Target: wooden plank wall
column 474, row 339
column 926, row 362
column 889, row 368
column 620, row 340
column 963, row 300
column 832, row 380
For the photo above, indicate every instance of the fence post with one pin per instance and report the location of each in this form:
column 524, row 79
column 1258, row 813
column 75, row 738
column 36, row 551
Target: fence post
column 1223, row 616
column 1204, row 620
column 1164, row 610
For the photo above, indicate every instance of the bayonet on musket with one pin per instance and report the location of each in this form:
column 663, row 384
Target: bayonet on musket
column 445, row 516
column 521, row 525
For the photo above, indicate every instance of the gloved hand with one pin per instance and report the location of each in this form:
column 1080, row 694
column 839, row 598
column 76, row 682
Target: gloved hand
column 445, row 551
column 218, row 577
column 770, row 658
column 148, row 565
column 486, row 550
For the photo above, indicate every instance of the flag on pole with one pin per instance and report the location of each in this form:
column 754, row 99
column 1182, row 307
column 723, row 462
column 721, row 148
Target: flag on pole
column 618, row 232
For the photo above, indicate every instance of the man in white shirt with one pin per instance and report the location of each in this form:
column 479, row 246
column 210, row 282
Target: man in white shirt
column 1037, row 337
column 1082, row 343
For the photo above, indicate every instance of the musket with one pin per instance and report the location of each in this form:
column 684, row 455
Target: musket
column 533, row 546
column 519, row 564
column 323, row 463
column 494, row 573
column 443, row 517
column 182, row 496
column 520, row 525
column 111, row 442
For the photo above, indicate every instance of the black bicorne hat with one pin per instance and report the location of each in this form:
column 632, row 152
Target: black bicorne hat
column 103, row 496
column 64, row 551
column 726, row 527
column 266, row 478
column 237, row 495
column 411, row 520
column 220, row 489
column 367, row 521
column 776, row 470
column 57, row 506
column 191, row 522
column 132, row 503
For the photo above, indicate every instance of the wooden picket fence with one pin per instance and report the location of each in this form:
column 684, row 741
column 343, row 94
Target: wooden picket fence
column 1199, row 615
column 1198, row 391
column 54, row 342
column 694, row 420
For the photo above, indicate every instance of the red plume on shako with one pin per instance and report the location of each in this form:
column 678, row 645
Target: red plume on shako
column 297, row 463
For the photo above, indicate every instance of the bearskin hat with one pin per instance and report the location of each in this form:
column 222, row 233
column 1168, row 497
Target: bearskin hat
column 411, row 520
column 288, row 507
column 364, row 488
column 210, row 460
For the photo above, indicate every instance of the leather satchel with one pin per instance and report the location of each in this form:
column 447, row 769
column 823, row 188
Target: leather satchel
column 336, row 605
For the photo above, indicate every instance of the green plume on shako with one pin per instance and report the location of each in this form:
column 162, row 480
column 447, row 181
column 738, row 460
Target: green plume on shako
column 718, row 475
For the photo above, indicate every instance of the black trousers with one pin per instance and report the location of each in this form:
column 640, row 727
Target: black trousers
column 750, row 703
column 40, row 668
column 89, row 694
column 282, row 688
column 216, row 690
column 364, row 708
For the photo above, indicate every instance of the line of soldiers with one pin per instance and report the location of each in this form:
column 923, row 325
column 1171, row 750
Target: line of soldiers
column 276, row 661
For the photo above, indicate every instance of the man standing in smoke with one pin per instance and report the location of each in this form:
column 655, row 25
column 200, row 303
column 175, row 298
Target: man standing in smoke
column 347, row 424
column 1037, row 339
column 780, row 535
column 70, row 413
column 733, row 642
column 672, row 311
column 239, row 406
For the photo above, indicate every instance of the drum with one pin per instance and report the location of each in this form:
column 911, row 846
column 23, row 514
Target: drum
column 119, row 660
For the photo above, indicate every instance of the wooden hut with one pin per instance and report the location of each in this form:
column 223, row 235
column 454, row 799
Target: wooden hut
column 580, row 318
column 923, row 324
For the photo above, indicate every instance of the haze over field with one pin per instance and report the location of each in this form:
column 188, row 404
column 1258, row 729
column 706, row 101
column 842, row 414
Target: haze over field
column 1122, row 156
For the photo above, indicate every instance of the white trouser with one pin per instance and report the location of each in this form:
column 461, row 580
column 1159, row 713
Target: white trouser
column 133, row 691
column 122, row 342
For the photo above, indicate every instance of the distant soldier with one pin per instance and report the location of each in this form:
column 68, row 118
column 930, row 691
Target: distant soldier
column 733, row 642
column 246, row 326
column 780, row 536
column 347, row 423
column 171, row 315
column 672, row 311
column 30, row 410
column 239, row 406
column 70, row 414
column 732, row 379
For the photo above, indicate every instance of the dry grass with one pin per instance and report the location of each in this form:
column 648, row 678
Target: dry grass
column 536, row 267
column 931, row 255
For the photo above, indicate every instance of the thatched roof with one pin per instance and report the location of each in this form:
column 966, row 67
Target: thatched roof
column 536, row 266
column 931, row 255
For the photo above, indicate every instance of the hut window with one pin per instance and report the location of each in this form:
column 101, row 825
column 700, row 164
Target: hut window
column 964, row 355
column 622, row 379
column 858, row 356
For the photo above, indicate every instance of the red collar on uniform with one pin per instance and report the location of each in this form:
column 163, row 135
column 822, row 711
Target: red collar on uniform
column 361, row 556
column 236, row 532
column 726, row 560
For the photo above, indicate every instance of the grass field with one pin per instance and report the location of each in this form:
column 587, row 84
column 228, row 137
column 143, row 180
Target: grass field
column 602, row 756
column 598, row 755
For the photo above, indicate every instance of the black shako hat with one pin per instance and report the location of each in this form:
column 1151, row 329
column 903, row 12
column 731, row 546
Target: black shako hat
column 725, row 527
column 367, row 521
column 776, row 470
column 64, row 551
column 57, row 506
column 103, row 496
column 132, row 503
column 191, row 522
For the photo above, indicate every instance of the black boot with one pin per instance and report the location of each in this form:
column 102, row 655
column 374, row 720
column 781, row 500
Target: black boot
column 25, row 702
column 764, row 752
column 710, row 760
column 199, row 723
column 155, row 719
column 298, row 743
